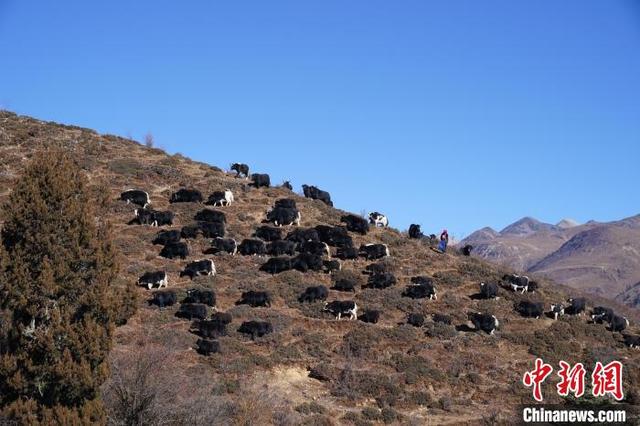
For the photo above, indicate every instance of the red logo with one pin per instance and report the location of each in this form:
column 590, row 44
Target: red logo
column 571, row 379
column 608, row 380
column 605, row 380
column 536, row 377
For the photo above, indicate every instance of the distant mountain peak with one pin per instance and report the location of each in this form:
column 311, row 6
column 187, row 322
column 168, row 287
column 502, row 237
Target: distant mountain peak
column 526, row 226
column 567, row 223
column 486, row 233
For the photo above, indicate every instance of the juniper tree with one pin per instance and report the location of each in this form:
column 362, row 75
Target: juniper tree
column 57, row 309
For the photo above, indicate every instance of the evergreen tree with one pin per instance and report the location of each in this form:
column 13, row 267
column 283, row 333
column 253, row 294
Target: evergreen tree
column 57, row 310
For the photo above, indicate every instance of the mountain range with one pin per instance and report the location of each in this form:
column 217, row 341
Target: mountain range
column 601, row 258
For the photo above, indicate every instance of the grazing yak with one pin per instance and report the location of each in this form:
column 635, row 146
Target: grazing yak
column 222, row 245
column 255, row 299
column 488, row 290
column 416, row 320
column 344, row 284
column 329, row 266
column 415, row 232
column 207, row 347
column 276, row 265
column 284, row 216
column 206, row 229
column 204, row 267
column 240, row 169
column 335, row 236
column 376, row 268
column 151, row 279
column 249, row 247
column 300, row 235
column 384, row 280
column 370, row 316
column 216, row 326
column 153, row 217
column 221, row 198
column 355, row 223
column 190, row 231
column 209, row 215
column 557, row 309
column 313, row 294
column 422, row 280
column 186, row 196
column 517, row 282
column 206, row 296
column 618, row 323
column 256, row 328
column 136, row 196
column 466, row 250
column 268, row 233
column 484, row 322
column 601, row 314
column 529, row 309
column 211, row 229
column 374, row 251
column 145, row 216
column 164, row 298
column 166, row 237
column 173, row 250
column 631, row 341
column 288, row 203
column 421, row 291
column 576, row 306
column 261, row 180
column 305, row 262
column 281, row 247
column 317, row 248
column 347, row 253
column 340, row 308
column 317, row 194
column 378, row 220
column 192, row 310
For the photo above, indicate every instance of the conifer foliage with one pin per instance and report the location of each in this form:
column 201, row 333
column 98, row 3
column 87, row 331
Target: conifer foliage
column 58, row 311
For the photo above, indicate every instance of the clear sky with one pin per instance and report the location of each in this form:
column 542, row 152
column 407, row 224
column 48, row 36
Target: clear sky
column 456, row 114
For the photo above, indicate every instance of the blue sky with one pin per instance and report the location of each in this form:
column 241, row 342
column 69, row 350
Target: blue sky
column 454, row 114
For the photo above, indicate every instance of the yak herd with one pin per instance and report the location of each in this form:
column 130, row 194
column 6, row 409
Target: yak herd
column 309, row 249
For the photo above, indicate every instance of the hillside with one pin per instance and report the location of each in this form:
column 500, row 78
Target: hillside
column 599, row 258
column 361, row 373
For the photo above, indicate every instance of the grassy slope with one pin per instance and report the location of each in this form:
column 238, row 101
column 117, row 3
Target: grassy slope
column 434, row 374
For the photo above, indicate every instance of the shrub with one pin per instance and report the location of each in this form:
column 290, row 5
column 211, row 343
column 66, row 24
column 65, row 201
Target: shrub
column 57, row 265
column 415, row 368
column 360, row 342
column 149, row 140
column 440, row 330
column 371, row 413
column 125, row 166
column 318, row 420
column 448, row 278
column 389, row 415
column 363, row 384
column 310, row 408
